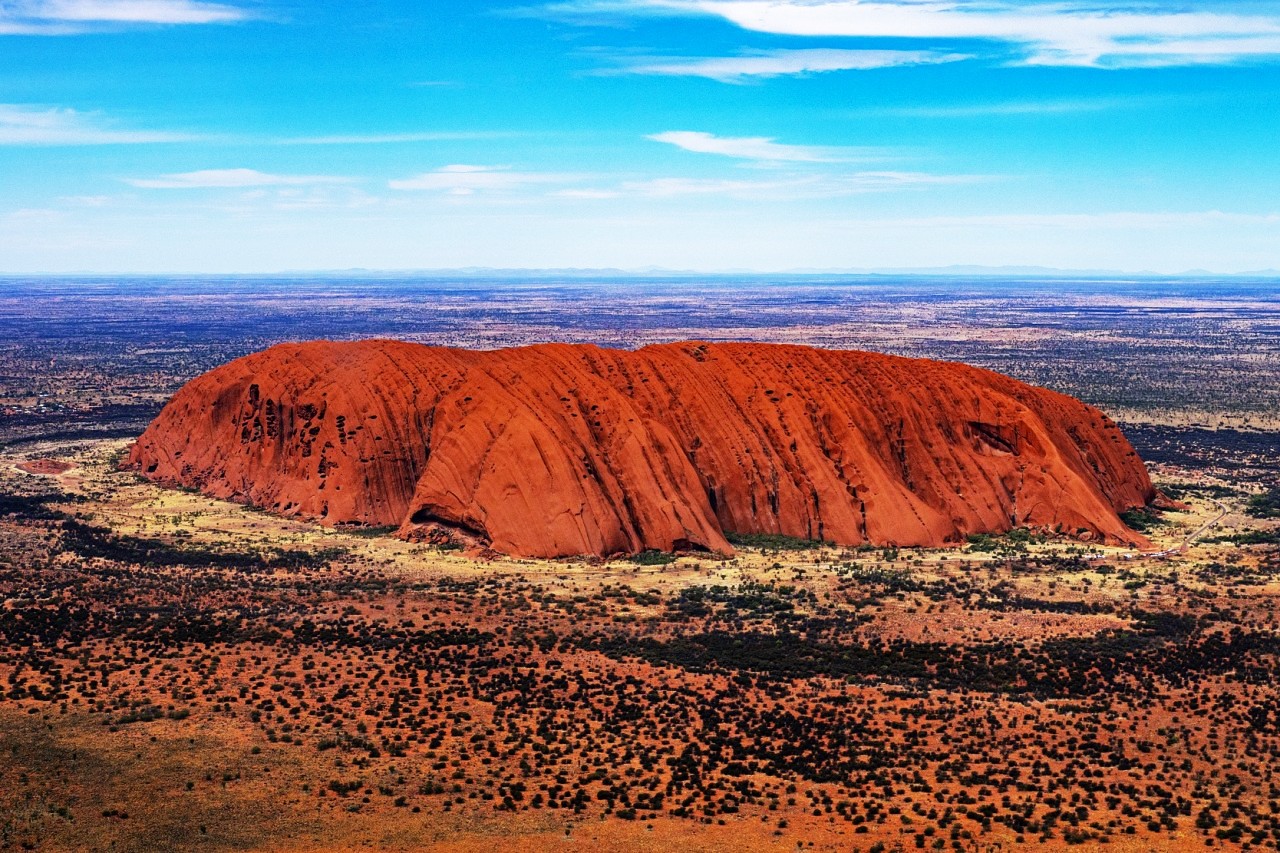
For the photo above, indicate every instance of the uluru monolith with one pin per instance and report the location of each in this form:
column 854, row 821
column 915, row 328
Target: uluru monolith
column 560, row 449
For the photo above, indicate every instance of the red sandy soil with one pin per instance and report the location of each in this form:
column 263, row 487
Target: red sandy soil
column 50, row 467
column 558, row 449
column 179, row 676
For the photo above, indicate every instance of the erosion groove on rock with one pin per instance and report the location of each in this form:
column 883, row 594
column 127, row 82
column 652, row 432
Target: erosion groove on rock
column 559, row 449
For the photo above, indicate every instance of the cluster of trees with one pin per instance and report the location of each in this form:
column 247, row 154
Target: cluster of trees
column 1266, row 504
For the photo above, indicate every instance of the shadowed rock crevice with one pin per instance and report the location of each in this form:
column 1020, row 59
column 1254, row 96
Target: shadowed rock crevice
column 557, row 449
column 426, row 525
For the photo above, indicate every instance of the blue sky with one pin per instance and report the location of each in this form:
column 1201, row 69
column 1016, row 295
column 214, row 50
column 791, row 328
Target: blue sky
column 267, row 135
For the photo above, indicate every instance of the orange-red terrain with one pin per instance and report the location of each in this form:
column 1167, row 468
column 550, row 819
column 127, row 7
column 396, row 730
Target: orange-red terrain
column 560, row 449
column 46, row 467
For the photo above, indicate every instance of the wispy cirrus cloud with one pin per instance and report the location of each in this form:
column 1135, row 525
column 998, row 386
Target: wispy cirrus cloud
column 829, row 181
column 618, row 13
column 1118, row 34
column 1048, row 107
column 392, row 138
column 815, row 172
column 460, row 179
column 1071, row 221
column 25, row 124
column 778, row 63
column 135, row 11
column 759, row 148
column 674, row 187
column 36, row 124
column 806, row 186
column 65, row 17
column 231, row 179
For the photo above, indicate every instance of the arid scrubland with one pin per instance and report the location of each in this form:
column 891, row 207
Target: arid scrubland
column 180, row 673
column 183, row 673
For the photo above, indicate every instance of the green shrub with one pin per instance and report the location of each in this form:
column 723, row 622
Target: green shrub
column 1143, row 519
column 774, row 542
column 653, row 558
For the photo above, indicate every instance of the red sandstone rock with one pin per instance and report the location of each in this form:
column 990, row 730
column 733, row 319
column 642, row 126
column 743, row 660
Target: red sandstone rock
column 559, row 449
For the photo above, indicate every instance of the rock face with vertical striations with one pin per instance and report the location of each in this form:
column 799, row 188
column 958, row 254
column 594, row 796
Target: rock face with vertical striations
column 559, row 449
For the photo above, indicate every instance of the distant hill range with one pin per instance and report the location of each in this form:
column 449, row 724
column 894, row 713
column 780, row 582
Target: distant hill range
column 653, row 271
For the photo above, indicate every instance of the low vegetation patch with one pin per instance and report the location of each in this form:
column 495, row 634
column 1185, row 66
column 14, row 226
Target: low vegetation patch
column 892, row 580
column 1183, row 490
column 32, row 507
column 1143, row 519
column 1265, row 505
column 1008, row 544
column 774, row 542
column 89, row 541
column 653, row 558
column 1247, row 537
column 370, row 532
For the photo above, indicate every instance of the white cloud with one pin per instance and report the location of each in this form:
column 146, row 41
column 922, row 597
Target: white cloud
column 1058, row 221
column 230, row 179
column 1073, row 32
column 882, row 181
column 34, row 215
column 466, row 180
column 669, row 187
column 391, row 138
column 596, row 12
column 789, row 187
column 137, row 11
column 587, row 194
column 87, row 200
column 759, row 148
column 1013, row 108
column 31, row 125
column 777, row 63
column 11, row 27
column 63, row 17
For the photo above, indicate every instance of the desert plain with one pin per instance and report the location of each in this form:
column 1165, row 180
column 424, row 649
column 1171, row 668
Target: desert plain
column 184, row 673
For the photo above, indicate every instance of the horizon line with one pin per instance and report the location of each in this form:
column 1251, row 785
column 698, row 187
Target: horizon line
column 953, row 270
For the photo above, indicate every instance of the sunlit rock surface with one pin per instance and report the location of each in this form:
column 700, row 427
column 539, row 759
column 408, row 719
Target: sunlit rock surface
column 558, row 449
